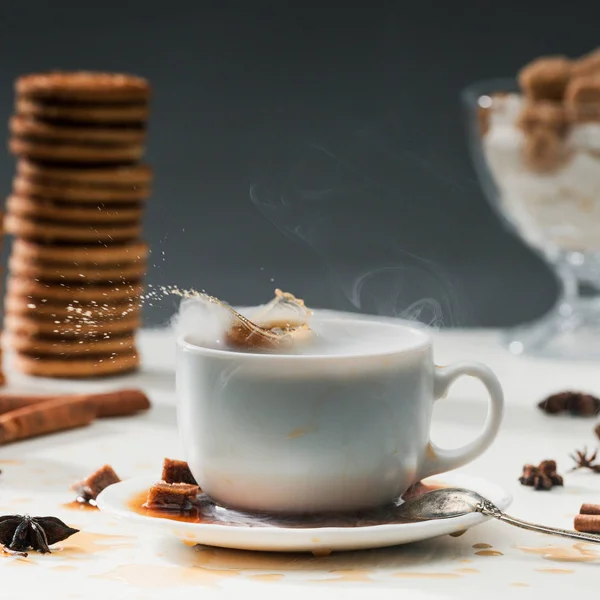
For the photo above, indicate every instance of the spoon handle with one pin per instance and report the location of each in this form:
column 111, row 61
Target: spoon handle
column 566, row 533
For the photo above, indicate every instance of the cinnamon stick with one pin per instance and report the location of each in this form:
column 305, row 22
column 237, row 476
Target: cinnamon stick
column 58, row 414
column 587, row 523
column 589, row 509
column 118, row 403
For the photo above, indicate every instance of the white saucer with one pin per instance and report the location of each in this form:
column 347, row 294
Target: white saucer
column 115, row 501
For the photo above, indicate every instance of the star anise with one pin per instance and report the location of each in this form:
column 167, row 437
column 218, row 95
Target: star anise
column 543, row 477
column 18, row 533
column 576, row 403
column 583, row 461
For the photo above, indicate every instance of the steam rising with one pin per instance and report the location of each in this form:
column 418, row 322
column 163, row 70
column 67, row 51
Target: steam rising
column 336, row 204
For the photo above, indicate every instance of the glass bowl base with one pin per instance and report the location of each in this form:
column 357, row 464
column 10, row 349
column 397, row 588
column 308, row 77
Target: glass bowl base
column 566, row 332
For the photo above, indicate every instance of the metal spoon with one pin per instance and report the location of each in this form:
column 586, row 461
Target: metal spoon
column 456, row 502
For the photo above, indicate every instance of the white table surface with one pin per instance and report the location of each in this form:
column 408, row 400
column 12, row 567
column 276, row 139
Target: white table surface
column 112, row 560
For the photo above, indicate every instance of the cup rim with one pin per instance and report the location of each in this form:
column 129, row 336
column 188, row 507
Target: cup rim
column 419, row 344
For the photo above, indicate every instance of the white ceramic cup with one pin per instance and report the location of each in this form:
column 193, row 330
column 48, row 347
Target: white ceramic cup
column 307, row 433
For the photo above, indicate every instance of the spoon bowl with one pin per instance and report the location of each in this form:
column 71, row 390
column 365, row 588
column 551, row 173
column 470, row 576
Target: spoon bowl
column 446, row 503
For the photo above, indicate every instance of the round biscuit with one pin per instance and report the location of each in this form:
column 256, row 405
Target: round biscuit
column 48, row 231
column 73, row 152
column 28, row 127
column 71, row 327
column 115, row 254
column 69, row 347
column 41, row 208
column 83, row 113
column 102, row 294
column 78, row 273
column 69, row 192
column 23, row 305
column 76, row 368
column 84, row 86
column 109, row 176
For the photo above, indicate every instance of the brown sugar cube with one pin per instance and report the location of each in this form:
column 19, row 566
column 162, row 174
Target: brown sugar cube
column 589, row 509
column 545, row 78
column 543, row 150
column 177, row 471
column 582, row 99
column 587, row 523
column 589, row 64
column 99, row 480
column 171, row 496
column 543, row 114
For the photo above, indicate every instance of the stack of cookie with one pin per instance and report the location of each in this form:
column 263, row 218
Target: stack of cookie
column 77, row 263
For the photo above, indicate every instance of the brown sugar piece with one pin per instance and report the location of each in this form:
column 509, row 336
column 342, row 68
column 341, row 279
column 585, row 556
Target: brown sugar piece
column 543, row 115
column 57, row 414
column 177, row 471
column 545, row 78
column 171, row 496
column 84, row 86
column 582, row 99
column 89, row 489
column 543, row 150
column 589, row 64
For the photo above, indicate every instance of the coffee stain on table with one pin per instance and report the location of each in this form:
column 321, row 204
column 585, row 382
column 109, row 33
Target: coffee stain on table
column 467, row 571
column 82, row 506
column 352, row 575
column 481, row 546
column 578, row 553
column 489, row 553
column 267, row 577
column 556, row 571
column 85, row 542
column 408, row 575
column 160, row 576
column 16, row 561
column 520, row 584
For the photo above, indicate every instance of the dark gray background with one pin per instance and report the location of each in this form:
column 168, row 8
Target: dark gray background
column 350, row 115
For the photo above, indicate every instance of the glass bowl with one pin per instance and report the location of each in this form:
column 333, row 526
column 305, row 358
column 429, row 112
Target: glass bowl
column 539, row 166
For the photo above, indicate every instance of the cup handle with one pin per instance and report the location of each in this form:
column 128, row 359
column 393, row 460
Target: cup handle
column 438, row 460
